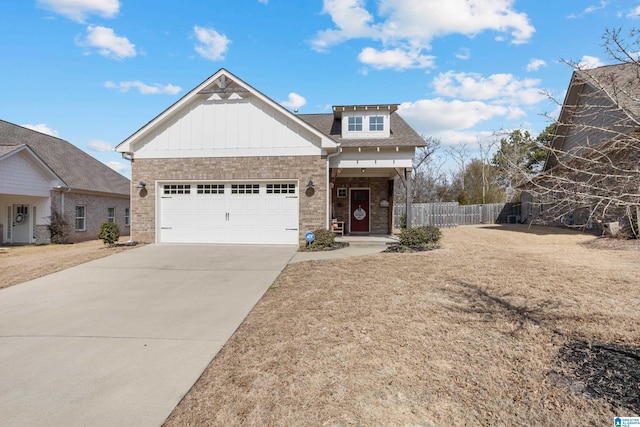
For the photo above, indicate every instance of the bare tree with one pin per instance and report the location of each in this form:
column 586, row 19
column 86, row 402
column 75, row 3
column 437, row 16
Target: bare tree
column 592, row 172
column 425, row 173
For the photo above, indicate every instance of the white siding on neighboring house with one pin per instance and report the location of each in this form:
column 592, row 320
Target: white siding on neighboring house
column 242, row 128
column 20, row 174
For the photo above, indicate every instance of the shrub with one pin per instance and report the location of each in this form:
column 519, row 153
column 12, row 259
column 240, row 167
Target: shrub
column 59, row 228
column 109, row 233
column 324, row 239
column 423, row 236
column 403, row 221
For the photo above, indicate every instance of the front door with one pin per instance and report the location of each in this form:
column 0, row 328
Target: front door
column 359, row 220
column 21, row 224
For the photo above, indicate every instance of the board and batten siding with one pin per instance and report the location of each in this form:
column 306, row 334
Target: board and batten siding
column 234, row 128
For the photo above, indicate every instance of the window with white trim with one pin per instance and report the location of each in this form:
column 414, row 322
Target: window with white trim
column 376, row 123
column 210, row 189
column 81, row 218
column 177, row 189
column 354, row 123
column 127, row 217
column 281, row 189
column 245, row 188
column 111, row 214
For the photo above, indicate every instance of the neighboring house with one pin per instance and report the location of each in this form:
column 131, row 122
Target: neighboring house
column 226, row 164
column 591, row 174
column 40, row 174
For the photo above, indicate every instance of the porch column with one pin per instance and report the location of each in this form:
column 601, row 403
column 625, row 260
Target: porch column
column 407, row 180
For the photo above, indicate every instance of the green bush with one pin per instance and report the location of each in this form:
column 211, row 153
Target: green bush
column 403, row 221
column 423, row 236
column 109, row 233
column 324, row 239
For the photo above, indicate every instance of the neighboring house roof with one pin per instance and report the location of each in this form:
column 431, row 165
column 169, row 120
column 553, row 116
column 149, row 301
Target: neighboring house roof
column 611, row 102
column 621, row 82
column 402, row 135
column 77, row 169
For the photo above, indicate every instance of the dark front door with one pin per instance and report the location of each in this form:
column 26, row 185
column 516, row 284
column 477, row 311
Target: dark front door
column 359, row 220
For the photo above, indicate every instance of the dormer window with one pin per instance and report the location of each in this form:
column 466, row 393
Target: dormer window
column 355, row 124
column 376, row 123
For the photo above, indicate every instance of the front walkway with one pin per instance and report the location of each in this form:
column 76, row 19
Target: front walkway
column 358, row 246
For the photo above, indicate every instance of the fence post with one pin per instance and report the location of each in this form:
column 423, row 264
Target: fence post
column 407, row 178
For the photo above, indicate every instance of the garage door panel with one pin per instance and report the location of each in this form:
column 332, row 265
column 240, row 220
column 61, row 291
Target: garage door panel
column 251, row 213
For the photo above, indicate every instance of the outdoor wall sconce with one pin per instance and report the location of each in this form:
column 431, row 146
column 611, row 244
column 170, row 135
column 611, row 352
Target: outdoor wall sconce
column 142, row 185
column 310, row 184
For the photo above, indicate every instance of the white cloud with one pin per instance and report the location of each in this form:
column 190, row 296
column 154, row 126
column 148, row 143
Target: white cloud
column 42, row 128
column 463, row 53
column 395, row 58
column 78, row 10
column 588, row 62
column 635, row 12
column 118, row 166
column 295, row 101
column 143, row 88
column 410, row 26
column 535, row 64
column 498, row 88
column 434, row 115
column 211, row 44
column 351, row 19
column 99, row 145
column 108, row 43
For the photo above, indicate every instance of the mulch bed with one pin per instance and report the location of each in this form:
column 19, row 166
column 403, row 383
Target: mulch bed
column 399, row 248
column 606, row 371
column 337, row 245
column 612, row 243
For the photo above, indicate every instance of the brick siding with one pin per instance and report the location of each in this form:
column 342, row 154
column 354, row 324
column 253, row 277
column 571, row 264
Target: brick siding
column 301, row 168
column 95, row 213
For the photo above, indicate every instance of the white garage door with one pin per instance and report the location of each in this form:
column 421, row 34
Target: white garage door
column 247, row 212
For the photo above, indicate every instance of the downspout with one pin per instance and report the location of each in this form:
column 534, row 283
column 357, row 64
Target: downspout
column 128, row 155
column 329, row 156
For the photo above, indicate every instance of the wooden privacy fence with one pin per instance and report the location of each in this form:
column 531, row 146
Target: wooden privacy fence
column 451, row 214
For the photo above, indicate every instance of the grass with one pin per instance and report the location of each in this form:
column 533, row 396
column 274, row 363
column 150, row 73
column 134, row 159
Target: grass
column 504, row 325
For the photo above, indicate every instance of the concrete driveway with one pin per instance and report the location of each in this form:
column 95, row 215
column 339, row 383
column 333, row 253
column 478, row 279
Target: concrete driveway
column 120, row 340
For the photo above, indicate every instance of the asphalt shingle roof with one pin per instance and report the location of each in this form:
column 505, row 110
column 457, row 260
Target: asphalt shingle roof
column 402, row 135
column 621, row 82
column 76, row 168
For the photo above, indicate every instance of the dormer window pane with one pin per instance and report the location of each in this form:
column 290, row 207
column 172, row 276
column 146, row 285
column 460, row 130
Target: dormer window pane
column 355, row 124
column 376, row 123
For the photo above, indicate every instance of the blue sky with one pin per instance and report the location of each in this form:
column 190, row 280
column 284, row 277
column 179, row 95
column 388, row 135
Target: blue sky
column 94, row 71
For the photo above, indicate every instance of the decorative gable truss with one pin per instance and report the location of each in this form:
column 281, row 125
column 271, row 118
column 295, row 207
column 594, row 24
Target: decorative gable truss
column 225, row 117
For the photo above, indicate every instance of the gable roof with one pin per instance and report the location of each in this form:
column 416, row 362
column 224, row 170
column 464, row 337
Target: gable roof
column 77, row 169
column 220, row 84
column 402, row 135
column 621, row 82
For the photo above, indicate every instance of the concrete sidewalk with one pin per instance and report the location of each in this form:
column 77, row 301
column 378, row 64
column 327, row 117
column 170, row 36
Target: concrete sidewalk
column 120, row 340
column 358, row 246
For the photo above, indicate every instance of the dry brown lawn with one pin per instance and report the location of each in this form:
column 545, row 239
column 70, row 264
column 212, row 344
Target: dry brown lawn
column 504, row 325
column 19, row 264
